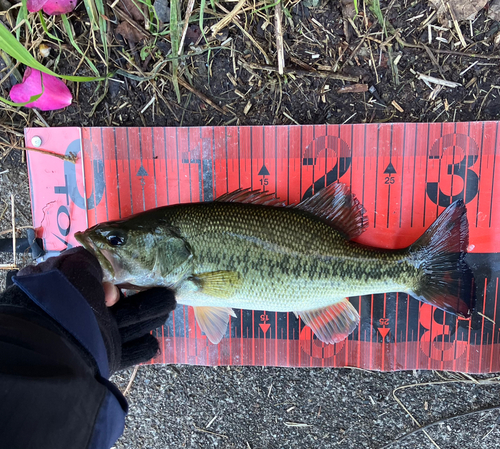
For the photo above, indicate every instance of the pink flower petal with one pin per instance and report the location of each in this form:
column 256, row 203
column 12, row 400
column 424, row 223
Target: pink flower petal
column 56, row 7
column 35, row 5
column 56, row 94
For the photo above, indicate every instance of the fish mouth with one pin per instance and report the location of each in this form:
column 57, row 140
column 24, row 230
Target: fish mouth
column 89, row 245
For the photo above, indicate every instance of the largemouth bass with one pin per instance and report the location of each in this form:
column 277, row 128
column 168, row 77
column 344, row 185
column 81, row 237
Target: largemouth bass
column 246, row 251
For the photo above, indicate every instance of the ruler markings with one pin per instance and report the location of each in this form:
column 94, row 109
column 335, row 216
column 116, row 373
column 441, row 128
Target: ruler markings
column 331, row 155
column 481, row 151
column 493, row 177
column 104, row 174
column 90, row 146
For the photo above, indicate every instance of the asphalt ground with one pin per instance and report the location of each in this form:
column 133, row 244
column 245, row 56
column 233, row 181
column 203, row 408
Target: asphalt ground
column 267, row 407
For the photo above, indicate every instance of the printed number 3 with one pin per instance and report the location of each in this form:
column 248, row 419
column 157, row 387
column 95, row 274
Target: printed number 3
column 462, row 169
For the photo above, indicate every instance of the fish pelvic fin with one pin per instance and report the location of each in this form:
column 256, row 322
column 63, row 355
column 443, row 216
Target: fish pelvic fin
column 338, row 207
column 213, row 321
column 334, row 323
column 221, row 284
column 445, row 280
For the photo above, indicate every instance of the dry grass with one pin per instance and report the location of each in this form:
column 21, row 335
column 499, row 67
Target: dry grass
column 277, row 55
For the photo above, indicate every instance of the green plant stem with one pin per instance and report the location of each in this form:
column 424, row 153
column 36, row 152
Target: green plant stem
column 175, row 41
column 45, row 29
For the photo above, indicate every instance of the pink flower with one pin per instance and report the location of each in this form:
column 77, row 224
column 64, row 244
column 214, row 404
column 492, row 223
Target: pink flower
column 56, row 94
column 52, row 7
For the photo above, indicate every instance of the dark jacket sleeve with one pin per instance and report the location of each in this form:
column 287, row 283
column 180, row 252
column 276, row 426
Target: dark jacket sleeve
column 54, row 391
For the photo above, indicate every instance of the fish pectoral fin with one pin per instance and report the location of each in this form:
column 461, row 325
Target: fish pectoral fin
column 213, row 321
column 221, row 284
column 334, row 323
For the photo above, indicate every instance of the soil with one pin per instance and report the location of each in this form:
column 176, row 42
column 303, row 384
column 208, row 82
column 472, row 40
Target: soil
column 254, row 407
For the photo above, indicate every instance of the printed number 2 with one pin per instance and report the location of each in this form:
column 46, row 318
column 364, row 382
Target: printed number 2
column 323, row 144
column 462, row 169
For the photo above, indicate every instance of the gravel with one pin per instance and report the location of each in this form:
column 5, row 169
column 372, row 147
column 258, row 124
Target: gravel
column 263, row 407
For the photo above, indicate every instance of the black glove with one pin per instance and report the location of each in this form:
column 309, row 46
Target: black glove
column 126, row 326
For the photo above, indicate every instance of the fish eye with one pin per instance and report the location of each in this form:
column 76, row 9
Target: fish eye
column 116, row 239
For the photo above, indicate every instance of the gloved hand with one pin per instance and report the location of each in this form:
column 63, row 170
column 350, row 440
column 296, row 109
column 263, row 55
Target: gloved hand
column 126, row 325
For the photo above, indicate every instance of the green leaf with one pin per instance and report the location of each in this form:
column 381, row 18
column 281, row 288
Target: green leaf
column 67, row 26
column 175, row 41
column 15, row 49
column 44, row 26
column 31, row 100
column 11, row 103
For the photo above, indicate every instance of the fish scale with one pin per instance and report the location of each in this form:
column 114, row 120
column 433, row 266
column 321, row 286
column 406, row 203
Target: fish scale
column 282, row 270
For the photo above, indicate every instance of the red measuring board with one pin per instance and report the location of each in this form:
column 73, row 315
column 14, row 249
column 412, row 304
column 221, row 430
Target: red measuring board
column 404, row 174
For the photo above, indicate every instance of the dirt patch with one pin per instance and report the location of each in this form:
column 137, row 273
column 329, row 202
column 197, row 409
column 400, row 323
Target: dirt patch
column 237, row 71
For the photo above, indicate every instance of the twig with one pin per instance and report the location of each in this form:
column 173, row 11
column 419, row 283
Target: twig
column 404, row 387
column 297, row 424
column 431, row 79
column 228, row 18
column 13, row 216
column 42, row 120
column 211, row 433
column 468, row 68
column 278, row 29
column 7, row 266
column 427, row 426
column 456, row 25
column 130, row 382
column 447, row 52
column 201, row 96
column 315, row 74
column 69, row 158
column 189, row 10
column 484, row 100
column 8, row 231
column 254, row 42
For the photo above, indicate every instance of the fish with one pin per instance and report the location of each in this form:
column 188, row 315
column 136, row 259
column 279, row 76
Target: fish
column 247, row 250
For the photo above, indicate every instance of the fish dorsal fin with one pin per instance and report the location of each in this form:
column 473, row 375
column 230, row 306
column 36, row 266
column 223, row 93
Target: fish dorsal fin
column 251, row 197
column 334, row 323
column 338, row 207
column 213, row 321
column 221, row 284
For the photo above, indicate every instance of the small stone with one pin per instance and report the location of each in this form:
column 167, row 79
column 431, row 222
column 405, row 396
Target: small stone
column 162, row 10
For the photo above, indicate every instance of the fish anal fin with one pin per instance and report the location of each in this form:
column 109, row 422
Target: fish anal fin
column 221, row 284
column 334, row 323
column 251, row 197
column 213, row 321
column 338, row 207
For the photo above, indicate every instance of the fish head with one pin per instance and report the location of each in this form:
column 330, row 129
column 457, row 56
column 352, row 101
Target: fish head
column 137, row 254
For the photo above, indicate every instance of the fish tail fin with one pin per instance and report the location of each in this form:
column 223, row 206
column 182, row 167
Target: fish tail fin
column 445, row 279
